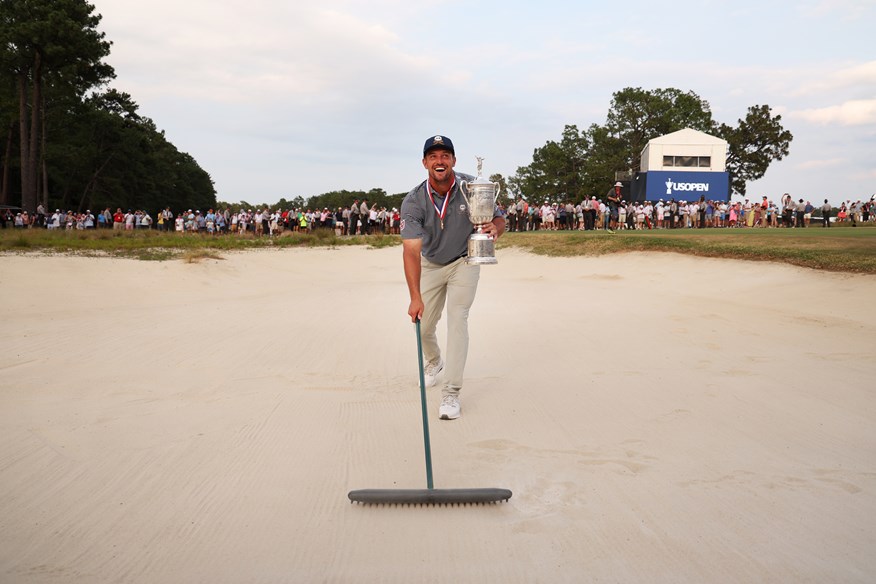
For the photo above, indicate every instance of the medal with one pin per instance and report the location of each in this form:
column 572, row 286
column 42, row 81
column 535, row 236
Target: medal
column 443, row 210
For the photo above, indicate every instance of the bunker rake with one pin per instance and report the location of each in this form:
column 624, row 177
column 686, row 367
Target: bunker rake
column 429, row 495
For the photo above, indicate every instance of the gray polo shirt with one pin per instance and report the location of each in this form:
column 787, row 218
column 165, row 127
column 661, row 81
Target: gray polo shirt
column 420, row 220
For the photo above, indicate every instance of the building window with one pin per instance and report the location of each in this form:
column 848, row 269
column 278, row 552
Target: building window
column 687, row 161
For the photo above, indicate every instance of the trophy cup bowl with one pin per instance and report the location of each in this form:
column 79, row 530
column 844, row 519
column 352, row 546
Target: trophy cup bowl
column 480, row 195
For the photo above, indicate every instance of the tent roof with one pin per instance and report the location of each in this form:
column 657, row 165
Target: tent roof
column 687, row 136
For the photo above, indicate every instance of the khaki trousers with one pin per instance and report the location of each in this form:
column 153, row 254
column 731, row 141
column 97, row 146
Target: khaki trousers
column 454, row 284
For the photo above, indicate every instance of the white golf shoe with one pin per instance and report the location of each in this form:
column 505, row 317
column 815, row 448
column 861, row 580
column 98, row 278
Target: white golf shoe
column 449, row 409
column 432, row 371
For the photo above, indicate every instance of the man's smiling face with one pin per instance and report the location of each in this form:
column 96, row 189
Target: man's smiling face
column 439, row 162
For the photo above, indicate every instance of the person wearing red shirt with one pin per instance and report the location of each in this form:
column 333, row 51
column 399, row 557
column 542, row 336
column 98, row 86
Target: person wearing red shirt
column 118, row 219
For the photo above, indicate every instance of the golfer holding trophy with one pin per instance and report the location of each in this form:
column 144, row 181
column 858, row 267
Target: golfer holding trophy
column 446, row 235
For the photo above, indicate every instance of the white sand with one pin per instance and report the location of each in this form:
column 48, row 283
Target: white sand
column 659, row 418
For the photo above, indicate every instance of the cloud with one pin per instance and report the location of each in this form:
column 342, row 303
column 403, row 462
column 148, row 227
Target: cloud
column 817, row 79
column 820, row 164
column 865, row 175
column 846, row 10
column 256, row 52
column 860, row 112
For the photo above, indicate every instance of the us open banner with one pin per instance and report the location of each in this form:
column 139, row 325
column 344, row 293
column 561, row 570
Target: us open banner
column 687, row 186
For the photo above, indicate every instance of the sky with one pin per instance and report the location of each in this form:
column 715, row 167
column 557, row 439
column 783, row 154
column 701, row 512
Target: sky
column 278, row 99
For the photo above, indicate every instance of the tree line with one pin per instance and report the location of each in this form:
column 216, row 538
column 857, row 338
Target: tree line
column 69, row 141
column 332, row 200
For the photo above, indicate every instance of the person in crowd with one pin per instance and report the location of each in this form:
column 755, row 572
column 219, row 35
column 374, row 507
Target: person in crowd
column 354, row 218
column 365, row 217
column 512, row 218
column 826, row 210
column 800, row 211
column 614, row 198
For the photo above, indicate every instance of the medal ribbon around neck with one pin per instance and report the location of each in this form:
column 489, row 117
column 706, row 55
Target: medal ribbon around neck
column 443, row 210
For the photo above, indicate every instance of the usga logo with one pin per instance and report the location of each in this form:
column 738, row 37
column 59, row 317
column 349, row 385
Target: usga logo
column 688, row 186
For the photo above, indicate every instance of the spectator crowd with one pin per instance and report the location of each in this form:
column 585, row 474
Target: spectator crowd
column 357, row 219
column 360, row 218
column 597, row 214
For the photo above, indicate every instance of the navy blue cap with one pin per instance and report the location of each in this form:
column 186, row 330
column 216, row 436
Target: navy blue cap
column 438, row 142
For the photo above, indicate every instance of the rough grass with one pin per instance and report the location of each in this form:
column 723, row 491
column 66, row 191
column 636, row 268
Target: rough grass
column 835, row 249
column 841, row 249
column 154, row 245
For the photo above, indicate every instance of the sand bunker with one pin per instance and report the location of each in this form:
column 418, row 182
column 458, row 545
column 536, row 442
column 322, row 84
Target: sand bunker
column 659, row 418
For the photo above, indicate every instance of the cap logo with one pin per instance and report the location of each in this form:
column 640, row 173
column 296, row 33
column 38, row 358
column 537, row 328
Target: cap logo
column 438, row 140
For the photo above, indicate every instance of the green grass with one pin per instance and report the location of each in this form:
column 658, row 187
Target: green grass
column 154, row 245
column 841, row 249
column 835, row 249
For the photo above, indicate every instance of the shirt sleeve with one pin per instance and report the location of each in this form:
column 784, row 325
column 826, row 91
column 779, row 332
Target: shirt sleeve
column 411, row 223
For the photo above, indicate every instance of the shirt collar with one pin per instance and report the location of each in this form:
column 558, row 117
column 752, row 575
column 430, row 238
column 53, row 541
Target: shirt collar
column 434, row 192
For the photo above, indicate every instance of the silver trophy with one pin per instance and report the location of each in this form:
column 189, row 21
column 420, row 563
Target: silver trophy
column 480, row 195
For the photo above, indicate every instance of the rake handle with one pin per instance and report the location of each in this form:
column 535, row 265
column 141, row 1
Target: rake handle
column 429, row 483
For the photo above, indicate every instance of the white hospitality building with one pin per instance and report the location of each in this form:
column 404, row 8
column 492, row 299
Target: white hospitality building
column 684, row 165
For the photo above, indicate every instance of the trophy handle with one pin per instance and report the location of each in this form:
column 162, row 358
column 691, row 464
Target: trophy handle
column 498, row 189
column 463, row 187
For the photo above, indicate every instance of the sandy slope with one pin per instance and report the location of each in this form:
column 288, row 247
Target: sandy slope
column 659, row 418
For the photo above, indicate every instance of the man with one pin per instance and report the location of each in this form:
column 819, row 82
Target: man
column 788, row 208
column 764, row 208
column 365, row 217
column 586, row 206
column 55, row 220
column 693, row 209
column 800, row 211
column 354, row 218
column 345, row 220
column 435, row 230
column 512, row 218
column 614, row 198
column 167, row 216
column 570, row 216
column 826, row 208
column 118, row 219
column 521, row 210
column 855, row 212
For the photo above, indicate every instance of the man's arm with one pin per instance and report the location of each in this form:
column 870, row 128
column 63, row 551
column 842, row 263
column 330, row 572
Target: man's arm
column 411, row 250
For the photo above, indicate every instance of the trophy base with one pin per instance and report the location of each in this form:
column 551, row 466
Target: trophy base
column 480, row 261
column 481, row 250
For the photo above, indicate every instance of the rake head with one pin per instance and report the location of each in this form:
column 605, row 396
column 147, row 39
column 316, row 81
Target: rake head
column 429, row 496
